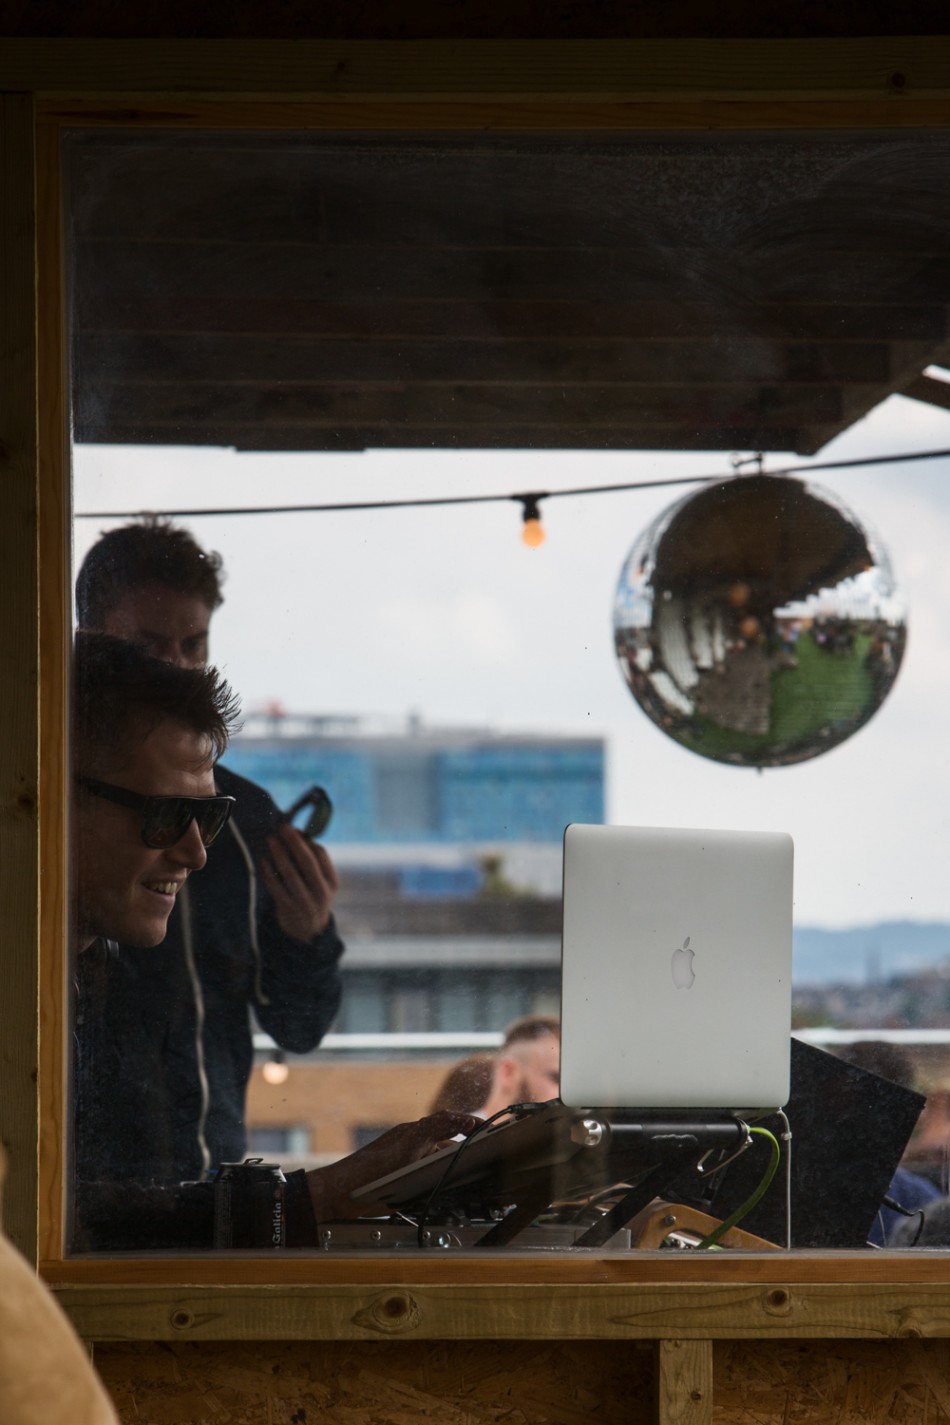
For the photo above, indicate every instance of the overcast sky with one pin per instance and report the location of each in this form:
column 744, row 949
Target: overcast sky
column 445, row 613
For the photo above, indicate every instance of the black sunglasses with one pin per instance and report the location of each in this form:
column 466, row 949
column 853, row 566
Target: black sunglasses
column 166, row 819
column 321, row 810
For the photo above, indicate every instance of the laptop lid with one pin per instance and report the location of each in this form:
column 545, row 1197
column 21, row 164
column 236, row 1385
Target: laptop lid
column 676, row 969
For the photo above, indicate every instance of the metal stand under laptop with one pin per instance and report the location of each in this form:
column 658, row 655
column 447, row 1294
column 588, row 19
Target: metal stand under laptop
column 559, row 1159
column 670, row 1148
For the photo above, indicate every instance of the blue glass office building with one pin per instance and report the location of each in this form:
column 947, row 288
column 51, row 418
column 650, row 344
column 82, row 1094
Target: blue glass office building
column 419, row 816
column 432, row 787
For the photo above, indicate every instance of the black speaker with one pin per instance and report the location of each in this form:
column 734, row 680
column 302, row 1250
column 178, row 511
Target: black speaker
column 849, row 1130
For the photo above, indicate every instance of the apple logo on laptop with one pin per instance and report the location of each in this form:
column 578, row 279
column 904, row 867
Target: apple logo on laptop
column 681, row 966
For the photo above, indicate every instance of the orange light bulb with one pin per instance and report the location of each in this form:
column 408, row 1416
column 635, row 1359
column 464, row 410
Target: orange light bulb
column 532, row 532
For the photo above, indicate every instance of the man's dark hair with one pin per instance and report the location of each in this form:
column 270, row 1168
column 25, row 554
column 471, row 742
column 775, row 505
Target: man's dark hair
column 466, row 1086
column 121, row 694
column 154, row 551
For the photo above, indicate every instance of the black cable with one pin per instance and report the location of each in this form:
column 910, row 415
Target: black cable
column 904, row 1212
column 522, row 498
column 528, row 497
column 899, row 1207
column 716, row 1235
column 452, row 1163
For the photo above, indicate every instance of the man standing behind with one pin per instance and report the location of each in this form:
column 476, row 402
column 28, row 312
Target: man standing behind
column 254, row 932
column 527, row 1069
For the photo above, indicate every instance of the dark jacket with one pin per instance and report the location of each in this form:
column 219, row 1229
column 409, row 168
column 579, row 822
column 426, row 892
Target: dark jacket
column 164, row 1036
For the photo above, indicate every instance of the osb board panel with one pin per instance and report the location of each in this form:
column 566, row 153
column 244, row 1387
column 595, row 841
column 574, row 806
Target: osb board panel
column 378, row 1383
column 831, row 1383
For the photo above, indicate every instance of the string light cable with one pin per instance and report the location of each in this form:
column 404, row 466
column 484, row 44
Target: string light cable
column 530, row 501
column 713, row 1238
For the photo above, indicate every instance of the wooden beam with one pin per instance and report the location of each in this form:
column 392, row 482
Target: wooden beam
column 493, row 436
column 55, row 1088
column 313, row 272
column 19, row 642
column 529, row 114
column 700, row 69
column 868, row 1275
column 930, row 389
column 395, row 1305
column 215, row 358
column 448, row 406
column 546, row 319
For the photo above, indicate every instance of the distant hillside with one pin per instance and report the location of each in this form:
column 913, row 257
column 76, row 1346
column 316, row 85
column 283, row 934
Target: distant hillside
column 867, row 954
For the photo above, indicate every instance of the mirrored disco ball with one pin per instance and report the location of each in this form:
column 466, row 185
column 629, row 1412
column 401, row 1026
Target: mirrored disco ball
column 758, row 623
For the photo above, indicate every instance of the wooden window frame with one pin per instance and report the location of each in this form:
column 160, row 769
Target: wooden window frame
column 528, row 87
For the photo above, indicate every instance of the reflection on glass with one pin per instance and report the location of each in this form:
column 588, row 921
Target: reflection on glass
column 757, row 623
column 310, row 318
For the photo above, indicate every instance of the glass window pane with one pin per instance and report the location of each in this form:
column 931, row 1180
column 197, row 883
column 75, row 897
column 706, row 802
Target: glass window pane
column 388, row 325
column 364, row 1008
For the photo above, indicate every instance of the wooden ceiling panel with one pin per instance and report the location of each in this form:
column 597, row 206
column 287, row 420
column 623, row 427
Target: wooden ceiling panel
column 314, row 293
column 323, row 271
column 210, row 358
column 101, row 310
column 443, row 404
column 495, row 436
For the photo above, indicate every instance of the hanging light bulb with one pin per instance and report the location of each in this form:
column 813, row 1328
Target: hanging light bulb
column 532, row 532
column 275, row 1070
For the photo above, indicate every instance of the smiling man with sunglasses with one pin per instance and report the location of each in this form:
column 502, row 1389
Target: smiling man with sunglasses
column 149, row 733
column 253, row 935
column 180, row 828
column 146, row 735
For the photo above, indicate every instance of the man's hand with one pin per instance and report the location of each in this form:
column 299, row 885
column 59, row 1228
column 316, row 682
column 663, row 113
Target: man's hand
column 302, row 880
column 330, row 1187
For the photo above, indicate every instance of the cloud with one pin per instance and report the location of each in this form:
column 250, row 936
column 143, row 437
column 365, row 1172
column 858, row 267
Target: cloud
column 469, row 625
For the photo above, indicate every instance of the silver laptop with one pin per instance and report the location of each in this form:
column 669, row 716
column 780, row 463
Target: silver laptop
column 675, row 996
column 676, row 969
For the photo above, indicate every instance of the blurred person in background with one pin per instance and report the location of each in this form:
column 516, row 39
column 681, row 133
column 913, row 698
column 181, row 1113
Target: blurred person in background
column 466, row 1086
column 527, row 1066
column 910, row 1190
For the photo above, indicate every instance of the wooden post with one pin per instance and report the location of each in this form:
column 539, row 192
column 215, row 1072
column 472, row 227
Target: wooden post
column 55, row 630
column 18, row 668
column 684, row 1378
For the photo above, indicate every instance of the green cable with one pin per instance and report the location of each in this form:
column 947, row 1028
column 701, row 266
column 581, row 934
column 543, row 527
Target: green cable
column 750, row 1202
